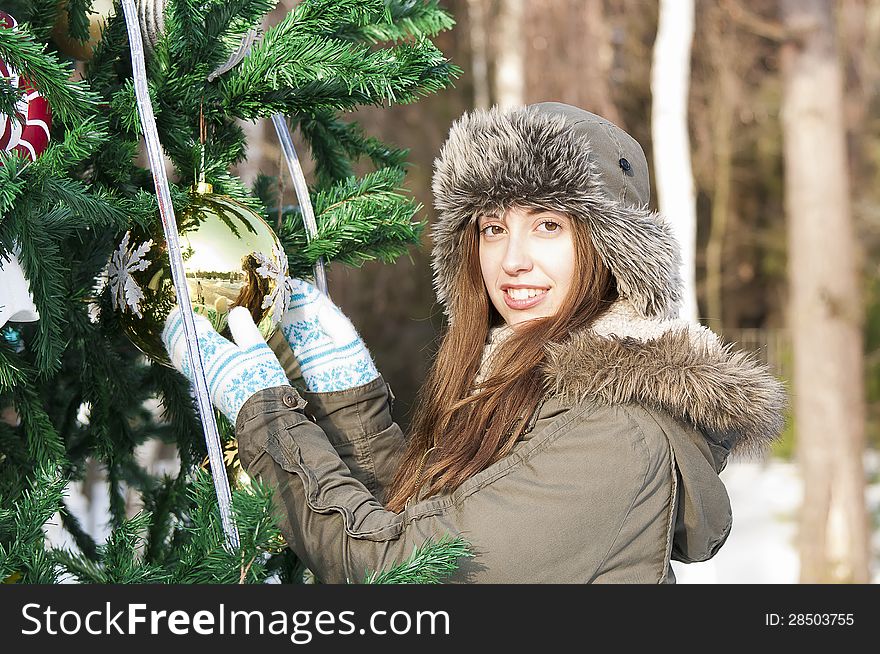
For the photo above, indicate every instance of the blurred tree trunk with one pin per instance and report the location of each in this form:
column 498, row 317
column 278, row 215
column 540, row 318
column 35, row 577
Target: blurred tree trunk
column 669, row 126
column 509, row 69
column 825, row 305
column 721, row 126
column 571, row 55
column 479, row 52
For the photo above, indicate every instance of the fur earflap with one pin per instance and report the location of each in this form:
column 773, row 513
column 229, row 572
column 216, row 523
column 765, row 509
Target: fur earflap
column 674, row 366
column 534, row 157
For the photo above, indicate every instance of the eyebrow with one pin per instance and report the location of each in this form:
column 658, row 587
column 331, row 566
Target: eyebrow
column 532, row 211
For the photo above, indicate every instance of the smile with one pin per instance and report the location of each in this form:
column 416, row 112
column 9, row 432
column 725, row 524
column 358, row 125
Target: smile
column 523, row 298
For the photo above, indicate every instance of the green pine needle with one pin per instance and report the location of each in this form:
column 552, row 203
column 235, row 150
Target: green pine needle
column 428, row 564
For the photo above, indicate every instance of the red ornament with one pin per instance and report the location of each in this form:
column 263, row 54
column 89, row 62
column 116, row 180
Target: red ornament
column 27, row 133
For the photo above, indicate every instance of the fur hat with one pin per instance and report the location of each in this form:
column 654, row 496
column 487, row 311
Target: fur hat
column 562, row 158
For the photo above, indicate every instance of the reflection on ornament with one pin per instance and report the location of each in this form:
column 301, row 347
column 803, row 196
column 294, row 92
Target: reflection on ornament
column 82, row 50
column 28, row 132
column 231, row 257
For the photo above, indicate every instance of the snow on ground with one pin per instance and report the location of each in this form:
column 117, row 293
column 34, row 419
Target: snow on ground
column 765, row 497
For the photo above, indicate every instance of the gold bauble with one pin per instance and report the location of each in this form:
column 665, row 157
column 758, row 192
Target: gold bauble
column 231, row 257
column 82, row 50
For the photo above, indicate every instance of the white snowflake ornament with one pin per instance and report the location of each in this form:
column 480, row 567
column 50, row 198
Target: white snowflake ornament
column 124, row 291
column 275, row 269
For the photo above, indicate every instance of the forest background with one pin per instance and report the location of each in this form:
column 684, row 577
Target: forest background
column 745, row 60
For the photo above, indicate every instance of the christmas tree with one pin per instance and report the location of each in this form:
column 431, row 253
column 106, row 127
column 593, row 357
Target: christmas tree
column 73, row 386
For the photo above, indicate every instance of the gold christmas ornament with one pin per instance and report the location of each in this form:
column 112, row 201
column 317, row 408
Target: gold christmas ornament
column 231, row 257
column 70, row 46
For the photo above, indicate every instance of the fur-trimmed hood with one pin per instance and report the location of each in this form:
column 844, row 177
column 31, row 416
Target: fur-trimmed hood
column 674, row 366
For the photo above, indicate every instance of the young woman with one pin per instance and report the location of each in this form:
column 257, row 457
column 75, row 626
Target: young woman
column 571, row 429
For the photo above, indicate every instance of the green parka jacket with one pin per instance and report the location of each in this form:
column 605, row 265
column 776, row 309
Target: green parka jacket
column 617, row 474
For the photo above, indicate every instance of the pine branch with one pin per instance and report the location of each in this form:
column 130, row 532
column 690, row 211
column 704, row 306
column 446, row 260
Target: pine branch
column 78, row 19
column 40, row 14
column 70, row 101
column 43, row 441
column 12, row 181
column 81, row 568
column 358, row 220
column 162, row 504
column 12, row 369
column 327, row 17
column 10, row 96
column 428, row 564
column 408, row 18
column 301, row 50
column 204, row 556
column 119, row 555
column 230, row 19
column 84, row 542
column 21, row 527
column 80, row 141
column 117, row 500
column 45, row 269
column 334, row 142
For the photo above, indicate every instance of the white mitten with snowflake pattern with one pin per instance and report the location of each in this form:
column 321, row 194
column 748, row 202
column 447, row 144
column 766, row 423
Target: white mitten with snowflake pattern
column 234, row 371
column 331, row 355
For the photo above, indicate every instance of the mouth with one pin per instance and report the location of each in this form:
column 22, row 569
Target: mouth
column 524, row 298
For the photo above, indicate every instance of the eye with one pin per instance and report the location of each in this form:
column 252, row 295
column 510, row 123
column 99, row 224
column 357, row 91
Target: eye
column 551, row 226
column 487, row 230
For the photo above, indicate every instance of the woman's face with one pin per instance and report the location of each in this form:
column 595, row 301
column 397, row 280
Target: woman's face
column 527, row 260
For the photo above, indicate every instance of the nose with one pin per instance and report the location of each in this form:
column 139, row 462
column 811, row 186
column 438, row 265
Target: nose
column 517, row 258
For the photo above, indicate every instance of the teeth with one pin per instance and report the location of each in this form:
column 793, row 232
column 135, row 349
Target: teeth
column 524, row 293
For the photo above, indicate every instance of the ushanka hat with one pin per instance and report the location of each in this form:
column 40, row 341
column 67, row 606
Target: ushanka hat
column 558, row 157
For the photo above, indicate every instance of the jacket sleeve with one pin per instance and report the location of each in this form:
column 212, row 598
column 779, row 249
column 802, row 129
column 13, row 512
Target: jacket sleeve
column 357, row 422
column 359, row 425
column 531, row 517
column 329, row 518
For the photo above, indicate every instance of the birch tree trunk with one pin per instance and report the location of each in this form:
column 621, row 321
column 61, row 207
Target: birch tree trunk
column 676, row 198
column 825, row 303
column 509, row 70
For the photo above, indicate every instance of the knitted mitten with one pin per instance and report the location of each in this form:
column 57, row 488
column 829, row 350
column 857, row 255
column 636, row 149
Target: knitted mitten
column 234, row 371
column 331, row 355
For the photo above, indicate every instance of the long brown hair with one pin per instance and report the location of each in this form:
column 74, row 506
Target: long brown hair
column 457, row 432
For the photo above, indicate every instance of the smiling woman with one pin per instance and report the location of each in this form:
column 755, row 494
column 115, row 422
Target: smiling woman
column 528, row 262
column 571, row 428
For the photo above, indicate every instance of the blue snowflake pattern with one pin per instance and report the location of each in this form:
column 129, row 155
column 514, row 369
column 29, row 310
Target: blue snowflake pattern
column 258, row 369
column 302, row 333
